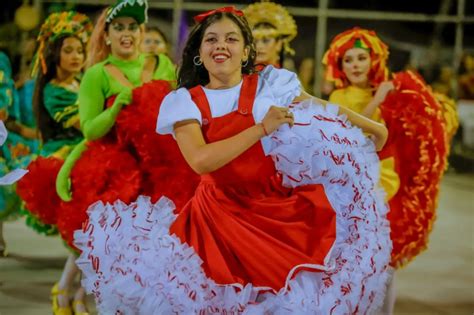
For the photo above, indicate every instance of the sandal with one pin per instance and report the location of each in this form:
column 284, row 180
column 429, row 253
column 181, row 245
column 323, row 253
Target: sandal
column 57, row 310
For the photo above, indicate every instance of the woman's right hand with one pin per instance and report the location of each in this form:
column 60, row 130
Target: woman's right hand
column 124, row 97
column 382, row 91
column 275, row 117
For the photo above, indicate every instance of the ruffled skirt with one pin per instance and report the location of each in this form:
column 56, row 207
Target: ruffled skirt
column 134, row 263
column 120, row 165
column 419, row 136
column 37, row 189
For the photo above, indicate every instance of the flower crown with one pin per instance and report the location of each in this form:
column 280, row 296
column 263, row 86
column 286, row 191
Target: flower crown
column 56, row 25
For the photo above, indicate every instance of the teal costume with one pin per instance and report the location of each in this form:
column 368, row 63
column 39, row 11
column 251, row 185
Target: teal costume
column 62, row 106
column 17, row 151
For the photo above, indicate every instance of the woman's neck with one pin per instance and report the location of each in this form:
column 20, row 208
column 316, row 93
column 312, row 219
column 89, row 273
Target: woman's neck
column 128, row 57
column 274, row 62
column 65, row 77
column 224, row 82
column 361, row 85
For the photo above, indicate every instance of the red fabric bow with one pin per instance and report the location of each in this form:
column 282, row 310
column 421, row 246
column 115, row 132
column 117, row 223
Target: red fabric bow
column 201, row 17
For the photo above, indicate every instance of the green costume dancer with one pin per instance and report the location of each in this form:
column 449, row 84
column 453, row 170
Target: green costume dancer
column 58, row 63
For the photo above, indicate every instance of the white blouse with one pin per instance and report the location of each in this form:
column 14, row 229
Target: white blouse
column 277, row 87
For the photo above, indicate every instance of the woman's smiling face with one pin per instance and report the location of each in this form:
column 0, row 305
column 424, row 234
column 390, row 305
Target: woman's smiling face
column 223, row 49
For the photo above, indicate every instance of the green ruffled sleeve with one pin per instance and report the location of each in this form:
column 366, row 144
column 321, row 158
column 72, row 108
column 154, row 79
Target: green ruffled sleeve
column 61, row 104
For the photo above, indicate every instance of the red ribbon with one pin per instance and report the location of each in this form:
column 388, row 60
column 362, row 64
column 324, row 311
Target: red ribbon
column 201, row 17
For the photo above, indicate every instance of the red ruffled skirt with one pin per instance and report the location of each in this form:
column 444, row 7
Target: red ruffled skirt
column 37, row 189
column 417, row 140
column 257, row 233
column 131, row 160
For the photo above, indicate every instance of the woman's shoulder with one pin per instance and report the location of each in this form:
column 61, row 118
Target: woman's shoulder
column 337, row 92
column 281, row 83
column 278, row 79
column 180, row 95
column 52, row 87
column 62, row 87
column 55, row 94
column 270, row 73
column 95, row 70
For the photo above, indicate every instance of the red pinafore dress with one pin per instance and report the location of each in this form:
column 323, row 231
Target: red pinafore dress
column 244, row 225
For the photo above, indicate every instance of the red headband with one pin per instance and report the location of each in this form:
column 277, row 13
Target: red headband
column 201, row 17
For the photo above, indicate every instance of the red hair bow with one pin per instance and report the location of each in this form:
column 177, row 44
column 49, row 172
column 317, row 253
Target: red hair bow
column 201, row 17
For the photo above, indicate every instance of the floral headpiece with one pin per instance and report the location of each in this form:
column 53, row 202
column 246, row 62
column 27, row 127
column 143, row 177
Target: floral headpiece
column 137, row 9
column 275, row 15
column 58, row 24
column 358, row 38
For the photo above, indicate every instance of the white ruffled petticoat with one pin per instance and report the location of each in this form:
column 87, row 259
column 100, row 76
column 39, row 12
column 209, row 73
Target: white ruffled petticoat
column 134, row 266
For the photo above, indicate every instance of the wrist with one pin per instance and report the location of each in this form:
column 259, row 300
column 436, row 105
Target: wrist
column 263, row 129
column 115, row 109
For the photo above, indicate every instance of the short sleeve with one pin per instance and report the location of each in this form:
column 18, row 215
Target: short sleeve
column 284, row 84
column 176, row 106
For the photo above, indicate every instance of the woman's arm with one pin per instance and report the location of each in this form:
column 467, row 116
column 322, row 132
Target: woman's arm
column 205, row 158
column 382, row 91
column 24, row 131
column 305, row 96
column 367, row 125
column 96, row 122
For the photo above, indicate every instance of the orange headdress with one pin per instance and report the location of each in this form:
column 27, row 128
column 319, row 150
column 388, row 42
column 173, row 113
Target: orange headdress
column 360, row 38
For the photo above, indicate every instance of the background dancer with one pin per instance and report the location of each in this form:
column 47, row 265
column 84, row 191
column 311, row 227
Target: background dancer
column 414, row 159
column 59, row 60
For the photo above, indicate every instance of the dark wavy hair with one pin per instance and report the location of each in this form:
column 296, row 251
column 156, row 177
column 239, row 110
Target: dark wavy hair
column 45, row 122
column 190, row 75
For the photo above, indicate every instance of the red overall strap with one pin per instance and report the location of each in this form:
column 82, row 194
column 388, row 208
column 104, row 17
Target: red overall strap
column 246, row 98
column 199, row 97
column 247, row 94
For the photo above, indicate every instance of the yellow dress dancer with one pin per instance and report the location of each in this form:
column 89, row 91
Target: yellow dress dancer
column 420, row 127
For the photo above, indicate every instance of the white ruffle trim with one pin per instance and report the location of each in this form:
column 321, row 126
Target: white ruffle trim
column 134, row 266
